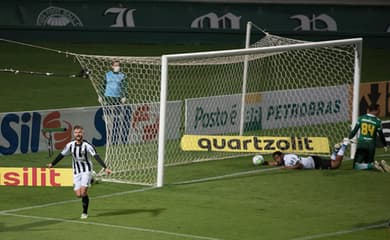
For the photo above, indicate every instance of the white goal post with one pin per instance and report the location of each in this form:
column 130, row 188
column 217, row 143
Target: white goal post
column 166, row 60
column 273, row 40
column 292, row 88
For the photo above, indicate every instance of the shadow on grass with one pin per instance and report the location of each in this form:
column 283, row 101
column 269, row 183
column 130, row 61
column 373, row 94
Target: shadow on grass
column 338, row 172
column 350, row 171
column 153, row 212
column 383, row 223
column 34, row 226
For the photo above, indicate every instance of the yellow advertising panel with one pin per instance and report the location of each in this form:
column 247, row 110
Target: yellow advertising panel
column 258, row 144
column 36, row 177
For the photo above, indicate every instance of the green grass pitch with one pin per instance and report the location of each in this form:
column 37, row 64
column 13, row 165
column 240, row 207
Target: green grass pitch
column 228, row 199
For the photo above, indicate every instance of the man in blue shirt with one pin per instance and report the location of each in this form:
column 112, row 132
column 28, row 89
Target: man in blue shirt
column 116, row 86
column 115, row 97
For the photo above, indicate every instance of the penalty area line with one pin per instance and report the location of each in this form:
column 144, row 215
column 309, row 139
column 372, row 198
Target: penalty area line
column 86, row 222
column 75, row 200
column 237, row 174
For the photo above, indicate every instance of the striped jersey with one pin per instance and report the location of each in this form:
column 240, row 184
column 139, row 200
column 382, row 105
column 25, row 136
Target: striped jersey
column 291, row 160
column 80, row 161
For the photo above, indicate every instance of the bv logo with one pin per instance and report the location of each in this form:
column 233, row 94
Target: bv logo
column 212, row 21
column 53, row 120
column 58, row 17
column 124, row 16
column 322, row 22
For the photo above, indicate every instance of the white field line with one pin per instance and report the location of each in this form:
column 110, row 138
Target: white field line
column 9, row 212
column 383, row 155
column 245, row 173
column 225, row 176
column 145, row 189
column 86, row 222
column 135, row 191
column 233, row 175
column 338, row 233
column 75, row 200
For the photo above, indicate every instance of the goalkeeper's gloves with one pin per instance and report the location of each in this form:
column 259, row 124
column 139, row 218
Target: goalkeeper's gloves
column 123, row 100
column 100, row 100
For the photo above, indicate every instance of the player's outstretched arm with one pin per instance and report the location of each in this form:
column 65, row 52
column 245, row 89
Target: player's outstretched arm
column 354, row 130
column 101, row 162
column 274, row 163
column 55, row 161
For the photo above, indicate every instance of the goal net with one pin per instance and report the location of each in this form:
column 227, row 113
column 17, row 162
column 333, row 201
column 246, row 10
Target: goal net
column 293, row 88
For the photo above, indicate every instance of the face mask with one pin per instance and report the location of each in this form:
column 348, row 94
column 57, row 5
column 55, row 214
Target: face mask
column 116, row 68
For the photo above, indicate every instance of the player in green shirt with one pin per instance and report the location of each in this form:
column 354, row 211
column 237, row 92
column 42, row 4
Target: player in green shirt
column 370, row 126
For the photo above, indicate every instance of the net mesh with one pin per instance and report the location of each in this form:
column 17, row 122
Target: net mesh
column 131, row 118
column 292, row 93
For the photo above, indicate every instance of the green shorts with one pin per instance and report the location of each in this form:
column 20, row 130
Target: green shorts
column 365, row 152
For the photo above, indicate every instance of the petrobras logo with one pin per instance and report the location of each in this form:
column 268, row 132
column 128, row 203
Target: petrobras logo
column 58, row 17
column 266, row 110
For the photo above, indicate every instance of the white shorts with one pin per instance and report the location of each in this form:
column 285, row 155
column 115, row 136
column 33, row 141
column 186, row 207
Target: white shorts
column 82, row 180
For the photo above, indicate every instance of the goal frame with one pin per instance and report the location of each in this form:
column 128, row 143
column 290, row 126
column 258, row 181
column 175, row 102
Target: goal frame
column 166, row 59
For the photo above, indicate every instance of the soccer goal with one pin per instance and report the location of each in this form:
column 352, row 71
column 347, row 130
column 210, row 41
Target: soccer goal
column 278, row 87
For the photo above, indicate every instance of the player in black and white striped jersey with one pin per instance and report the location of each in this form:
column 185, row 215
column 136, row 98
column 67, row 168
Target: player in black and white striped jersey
column 293, row 161
column 82, row 166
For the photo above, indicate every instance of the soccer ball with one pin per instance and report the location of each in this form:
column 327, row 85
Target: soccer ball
column 95, row 178
column 258, row 159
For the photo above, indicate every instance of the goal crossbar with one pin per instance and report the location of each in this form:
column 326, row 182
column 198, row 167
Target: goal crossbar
column 236, row 52
column 166, row 59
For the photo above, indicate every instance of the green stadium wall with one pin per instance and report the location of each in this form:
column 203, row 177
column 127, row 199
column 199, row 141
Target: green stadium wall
column 158, row 21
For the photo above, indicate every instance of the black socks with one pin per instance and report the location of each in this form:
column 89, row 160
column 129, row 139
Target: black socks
column 85, row 201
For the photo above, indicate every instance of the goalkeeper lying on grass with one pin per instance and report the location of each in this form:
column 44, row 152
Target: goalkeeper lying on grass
column 293, row 161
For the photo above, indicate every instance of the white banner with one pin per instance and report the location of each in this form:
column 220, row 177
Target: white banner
column 267, row 110
column 213, row 115
column 22, row 132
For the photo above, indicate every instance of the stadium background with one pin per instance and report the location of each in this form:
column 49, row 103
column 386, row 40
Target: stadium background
column 196, row 25
column 342, row 204
column 192, row 21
